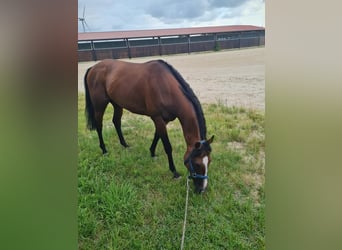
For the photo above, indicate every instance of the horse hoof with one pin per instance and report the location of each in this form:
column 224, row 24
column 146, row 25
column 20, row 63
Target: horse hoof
column 176, row 176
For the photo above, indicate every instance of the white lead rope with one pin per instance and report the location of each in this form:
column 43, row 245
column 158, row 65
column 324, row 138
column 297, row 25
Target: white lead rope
column 185, row 213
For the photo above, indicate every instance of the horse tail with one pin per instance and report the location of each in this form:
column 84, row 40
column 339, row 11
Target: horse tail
column 89, row 109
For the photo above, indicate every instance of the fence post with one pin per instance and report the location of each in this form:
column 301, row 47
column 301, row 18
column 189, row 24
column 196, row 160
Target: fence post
column 239, row 40
column 160, row 46
column 189, row 44
column 93, row 52
column 128, row 48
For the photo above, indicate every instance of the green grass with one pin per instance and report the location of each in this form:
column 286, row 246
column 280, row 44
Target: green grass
column 127, row 200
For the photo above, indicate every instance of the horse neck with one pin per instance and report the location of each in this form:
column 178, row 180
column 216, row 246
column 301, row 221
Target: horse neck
column 190, row 127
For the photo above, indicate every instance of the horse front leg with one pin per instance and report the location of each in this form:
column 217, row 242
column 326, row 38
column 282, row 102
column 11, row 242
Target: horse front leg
column 162, row 133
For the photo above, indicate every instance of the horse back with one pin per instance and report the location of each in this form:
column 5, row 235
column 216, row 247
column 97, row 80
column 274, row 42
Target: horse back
column 144, row 88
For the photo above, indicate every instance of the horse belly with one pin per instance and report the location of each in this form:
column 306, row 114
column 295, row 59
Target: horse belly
column 123, row 93
column 143, row 94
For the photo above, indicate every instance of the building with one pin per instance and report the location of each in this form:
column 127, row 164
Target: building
column 93, row 46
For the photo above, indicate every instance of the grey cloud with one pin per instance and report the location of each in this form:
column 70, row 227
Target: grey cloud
column 104, row 15
column 173, row 10
column 176, row 9
column 226, row 3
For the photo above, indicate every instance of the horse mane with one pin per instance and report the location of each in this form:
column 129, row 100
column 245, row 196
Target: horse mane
column 190, row 95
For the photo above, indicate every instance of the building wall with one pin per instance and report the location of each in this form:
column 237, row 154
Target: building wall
column 167, row 46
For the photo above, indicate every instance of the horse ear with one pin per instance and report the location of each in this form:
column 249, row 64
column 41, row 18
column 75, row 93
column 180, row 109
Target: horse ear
column 211, row 139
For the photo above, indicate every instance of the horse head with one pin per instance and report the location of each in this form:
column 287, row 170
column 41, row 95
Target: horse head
column 197, row 162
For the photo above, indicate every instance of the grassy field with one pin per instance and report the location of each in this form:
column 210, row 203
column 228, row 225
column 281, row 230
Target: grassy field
column 128, row 200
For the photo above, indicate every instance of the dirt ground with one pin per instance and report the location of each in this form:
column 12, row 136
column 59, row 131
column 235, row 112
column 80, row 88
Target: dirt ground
column 231, row 77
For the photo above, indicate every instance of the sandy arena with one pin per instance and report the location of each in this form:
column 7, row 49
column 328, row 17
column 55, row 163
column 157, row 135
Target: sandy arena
column 232, row 77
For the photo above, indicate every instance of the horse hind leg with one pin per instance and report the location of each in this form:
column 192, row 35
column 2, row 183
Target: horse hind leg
column 100, row 105
column 154, row 144
column 99, row 118
column 117, row 124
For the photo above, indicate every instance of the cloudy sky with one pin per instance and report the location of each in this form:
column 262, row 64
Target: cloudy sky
column 111, row 15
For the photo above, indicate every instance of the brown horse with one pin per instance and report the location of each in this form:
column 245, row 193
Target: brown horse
column 157, row 90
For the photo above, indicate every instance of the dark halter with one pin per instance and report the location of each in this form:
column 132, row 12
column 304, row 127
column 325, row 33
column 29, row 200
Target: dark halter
column 193, row 174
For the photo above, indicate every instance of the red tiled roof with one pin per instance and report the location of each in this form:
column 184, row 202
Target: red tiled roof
column 87, row 36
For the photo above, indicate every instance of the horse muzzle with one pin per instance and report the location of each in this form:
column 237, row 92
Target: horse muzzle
column 200, row 190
